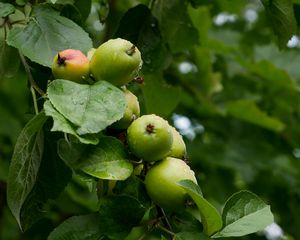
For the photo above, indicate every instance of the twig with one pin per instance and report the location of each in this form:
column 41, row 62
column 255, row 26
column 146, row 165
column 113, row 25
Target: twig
column 33, row 86
column 165, row 218
column 166, row 230
column 30, row 77
column 36, row 109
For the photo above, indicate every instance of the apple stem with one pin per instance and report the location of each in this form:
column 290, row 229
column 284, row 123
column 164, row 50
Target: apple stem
column 150, row 128
column 61, row 60
column 131, row 50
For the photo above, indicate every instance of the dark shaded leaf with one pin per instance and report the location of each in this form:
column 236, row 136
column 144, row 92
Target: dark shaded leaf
column 282, row 19
column 25, row 164
column 119, row 214
column 53, row 176
column 140, row 27
column 182, row 35
column 84, row 227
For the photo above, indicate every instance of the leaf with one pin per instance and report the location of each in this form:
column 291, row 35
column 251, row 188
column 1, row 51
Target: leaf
column 201, row 15
column 282, row 19
column 52, row 179
column 91, row 108
column 25, row 164
column 160, row 98
column 107, row 160
column 133, row 187
column 119, row 214
column 139, row 26
column 274, row 77
column 85, row 227
column 210, row 217
column 190, row 235
column 6, row 9
column 46, row 34
column 244, row 213
column 182, row 35
column 63, row 125
column 248, row 111
column 205, row 74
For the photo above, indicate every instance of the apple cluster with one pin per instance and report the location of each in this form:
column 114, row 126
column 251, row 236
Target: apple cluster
column 150, row 138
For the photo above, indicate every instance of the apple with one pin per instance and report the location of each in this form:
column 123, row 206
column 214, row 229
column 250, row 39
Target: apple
column 161, row 183
column 149, row 137
column 131, row 113
column 71, row 64
column 178, row 149
column 116, row 61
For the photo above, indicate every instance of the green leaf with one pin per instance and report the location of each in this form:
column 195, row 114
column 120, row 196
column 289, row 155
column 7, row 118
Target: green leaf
column 46, row 34
column 84, row 227
column 201, row 15
column 276, row 79
column 282, row 19
column 191, row 235
column 139, row 26
column 133, row 187
column 208, row 81
column 63, row 125
column 160, row 97
column 119, row 214
column 107, row 160
column 91, row 108
column 25, row 164
column 248, row 111
column 175, row 24
column 52, row 178
column 244, row 213
column 210, row 217
column 6, row 9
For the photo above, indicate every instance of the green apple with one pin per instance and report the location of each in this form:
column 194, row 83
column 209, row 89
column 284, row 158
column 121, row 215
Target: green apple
column 71, row 64
column 116, row 61
column 131, row 113
column 149, row 137
column 178, row 149
column 161, row 183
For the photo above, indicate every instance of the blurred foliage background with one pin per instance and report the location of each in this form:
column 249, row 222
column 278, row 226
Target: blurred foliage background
column 224, row 72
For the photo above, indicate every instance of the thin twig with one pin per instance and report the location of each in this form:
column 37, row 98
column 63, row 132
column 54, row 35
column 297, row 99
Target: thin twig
column 33, row 86
column 30, row 77
column 166, row 230
column 165, row 218
column 36, row 109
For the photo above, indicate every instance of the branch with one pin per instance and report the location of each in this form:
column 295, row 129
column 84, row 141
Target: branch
column 30, row 77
